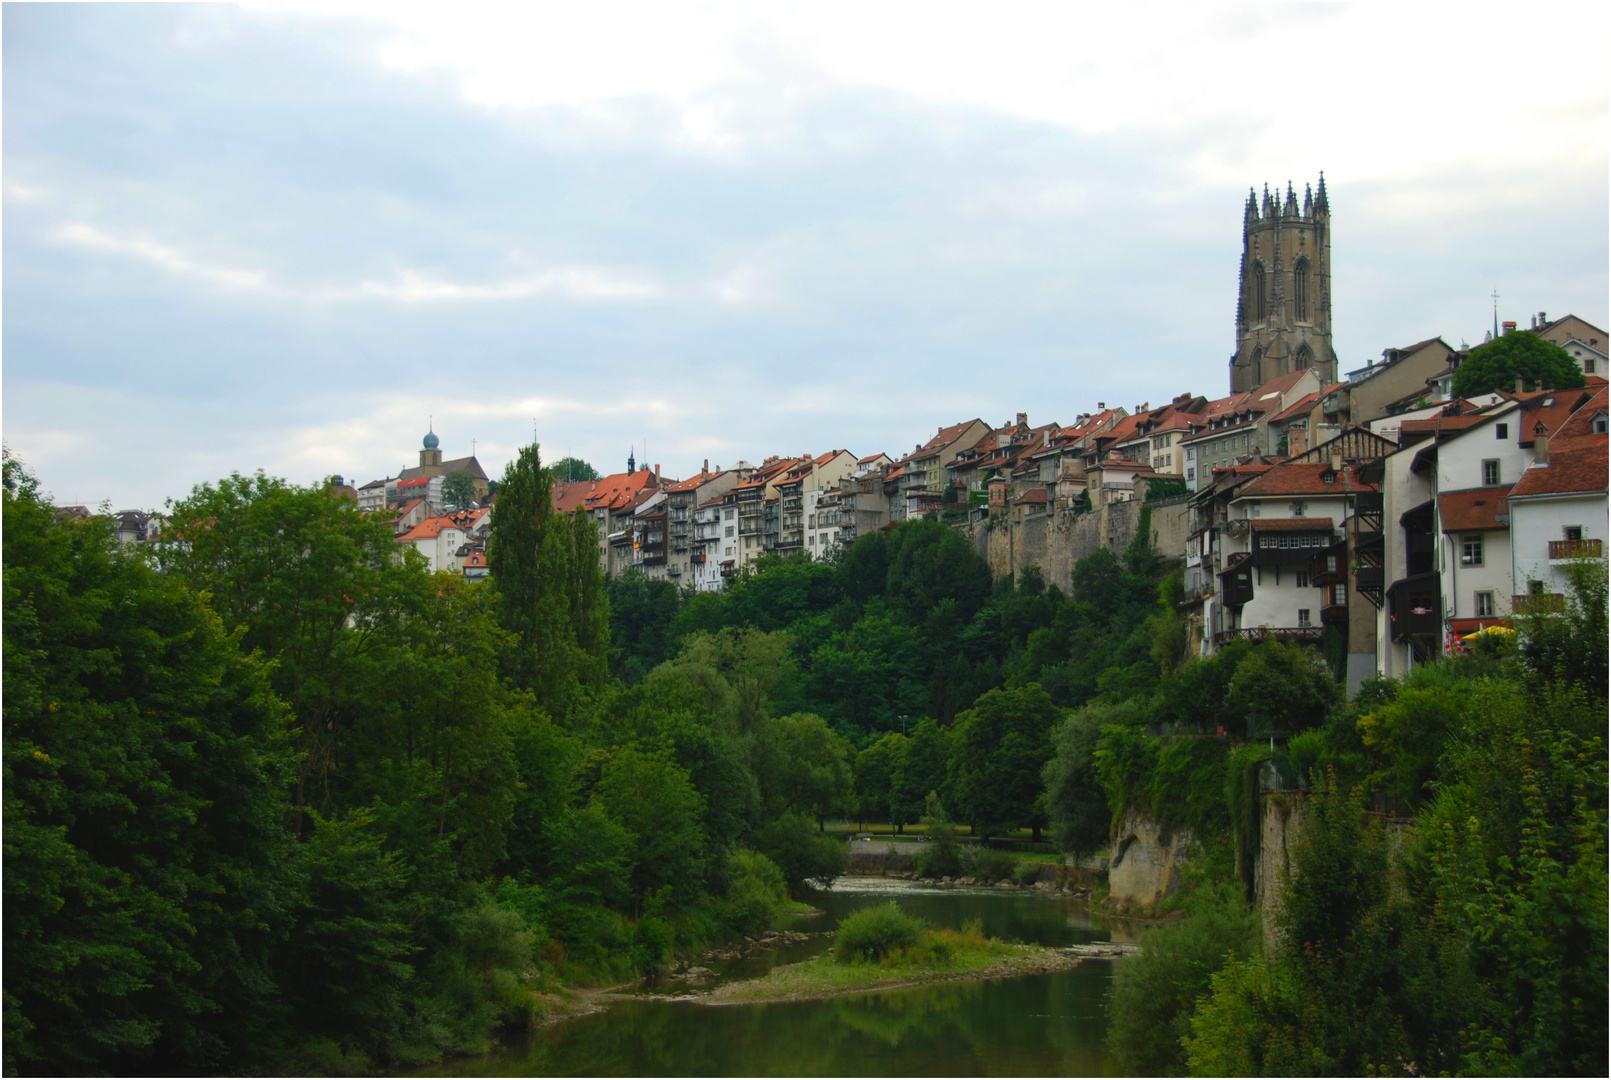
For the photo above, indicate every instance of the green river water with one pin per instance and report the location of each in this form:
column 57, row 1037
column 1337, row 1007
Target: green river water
column 1047, row 1025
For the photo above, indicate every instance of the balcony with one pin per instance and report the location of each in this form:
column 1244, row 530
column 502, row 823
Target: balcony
column 1538, row 603
column 1415, row 607
column 1334, row 615
column 1574, row 549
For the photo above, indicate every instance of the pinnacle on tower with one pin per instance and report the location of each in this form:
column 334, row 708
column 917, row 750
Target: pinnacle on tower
column 1269, row 210
column 1320, row 197
column 1292, row 201
column 1308, row 201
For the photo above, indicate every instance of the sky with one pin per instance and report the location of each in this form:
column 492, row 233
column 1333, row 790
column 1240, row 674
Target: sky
column 292, row 237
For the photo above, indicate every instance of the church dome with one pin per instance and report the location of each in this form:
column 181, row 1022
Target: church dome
column 430, row 440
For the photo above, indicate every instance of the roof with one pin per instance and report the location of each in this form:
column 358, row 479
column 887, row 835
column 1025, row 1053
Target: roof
column 694, row 482
column 430, row 529
column 1576, row 464
column 942, row 438
column 1032, row 495
column 463, row 464
column 1303, row 524
column 1439, row 424
column 1302, row 405
column 620, row 491
column 415, row 482
column 1302, row 478
column 1581, row 422
column 870, row 458
column 475, row 559
column 568, row 496
column 1479, row 508
column 1552, row 408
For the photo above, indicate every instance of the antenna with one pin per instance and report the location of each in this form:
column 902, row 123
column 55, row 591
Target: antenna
column 1496, row 313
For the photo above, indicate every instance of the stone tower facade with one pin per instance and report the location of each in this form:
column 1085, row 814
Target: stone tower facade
column 1283, row 309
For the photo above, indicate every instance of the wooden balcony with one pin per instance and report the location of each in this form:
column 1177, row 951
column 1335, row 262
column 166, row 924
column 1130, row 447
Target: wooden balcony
column 1574, row 549
column 1334, row 615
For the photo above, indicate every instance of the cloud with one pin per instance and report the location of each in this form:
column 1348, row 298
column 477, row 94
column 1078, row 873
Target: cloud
column 284, row 238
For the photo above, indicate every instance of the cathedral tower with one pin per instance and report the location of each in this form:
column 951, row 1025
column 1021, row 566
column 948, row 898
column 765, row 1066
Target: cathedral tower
column 1283, row 309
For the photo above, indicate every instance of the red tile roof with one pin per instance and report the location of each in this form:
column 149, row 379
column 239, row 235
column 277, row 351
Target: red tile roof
column 1433, row 425
column 1479, row 508
column 621, row 491
column 1576, row 464
column 430, row 529
column 1552, row 408
column 1581, row 422
column 1301, row 478
column 1302, row 405
column 694, row 482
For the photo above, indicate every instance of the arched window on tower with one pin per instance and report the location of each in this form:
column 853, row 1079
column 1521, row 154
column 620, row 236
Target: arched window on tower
column 1304, row 359
column 1258, row 365
column 1261, row 305
column 1300, row 291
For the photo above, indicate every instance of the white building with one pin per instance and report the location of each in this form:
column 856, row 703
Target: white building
column 1558, row 509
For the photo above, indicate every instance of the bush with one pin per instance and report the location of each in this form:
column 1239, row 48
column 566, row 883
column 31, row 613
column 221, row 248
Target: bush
column 987, row 863
column 1155, row 991
column 871, row 933
column 756, row 889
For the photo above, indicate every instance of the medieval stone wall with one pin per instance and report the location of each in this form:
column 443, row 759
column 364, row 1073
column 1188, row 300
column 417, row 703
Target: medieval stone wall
column 1056, row 541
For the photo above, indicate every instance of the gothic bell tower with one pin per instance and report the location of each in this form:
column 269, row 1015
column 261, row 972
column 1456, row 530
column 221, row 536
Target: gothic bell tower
column 1283, row 308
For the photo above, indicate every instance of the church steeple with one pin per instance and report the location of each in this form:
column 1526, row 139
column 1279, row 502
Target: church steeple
column 632, row 462
column 1283, row 307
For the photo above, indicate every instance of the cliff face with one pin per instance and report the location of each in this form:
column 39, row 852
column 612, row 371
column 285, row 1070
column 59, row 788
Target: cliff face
column 1281, row 823
column 1146, row 863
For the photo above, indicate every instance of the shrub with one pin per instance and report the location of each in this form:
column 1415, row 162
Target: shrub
column 756, row 889
column 1027, row 873
column 871, row 933
column 807, row 857
column 987, row 863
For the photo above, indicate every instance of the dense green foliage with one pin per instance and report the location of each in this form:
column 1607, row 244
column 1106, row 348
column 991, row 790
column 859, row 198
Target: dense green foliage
column 278, row 797
column 1497, row 364
column 1444, row 910
column 874, row 932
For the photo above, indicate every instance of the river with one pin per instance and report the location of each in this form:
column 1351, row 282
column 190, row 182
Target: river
column 1047, row 1025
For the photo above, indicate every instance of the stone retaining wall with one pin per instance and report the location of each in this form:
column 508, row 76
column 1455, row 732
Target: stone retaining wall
column 1056, row 541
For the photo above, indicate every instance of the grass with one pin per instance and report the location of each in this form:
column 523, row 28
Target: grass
column 935, row 954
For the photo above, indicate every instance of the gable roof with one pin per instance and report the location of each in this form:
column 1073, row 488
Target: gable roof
column 1577, row 464
column 1303, row 478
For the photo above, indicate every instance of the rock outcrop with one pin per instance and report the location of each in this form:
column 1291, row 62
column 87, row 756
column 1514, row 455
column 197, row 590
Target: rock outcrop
column 1146, row 863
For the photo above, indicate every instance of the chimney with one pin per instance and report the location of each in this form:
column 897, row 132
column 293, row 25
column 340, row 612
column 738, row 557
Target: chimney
column 657, row 472
column 1543, row 320
column 704, row 470
column 1541, row 448
column 1519, row 389
column 1336, row 463
column 1508, row 325
column 1023, row 419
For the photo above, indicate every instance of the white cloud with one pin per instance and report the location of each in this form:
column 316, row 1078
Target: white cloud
column 160, row 255
column 409, row 287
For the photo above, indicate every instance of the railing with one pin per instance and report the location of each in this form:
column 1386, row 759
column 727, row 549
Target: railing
column 1574, row 549
column 1304, row 634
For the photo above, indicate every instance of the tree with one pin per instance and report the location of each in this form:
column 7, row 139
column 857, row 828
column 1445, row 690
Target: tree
column 1076, row 802
column 875, row 773
column 548, row 588
column 1282, row 685
column 1002, row 745
column 1497, row 364
column 458, row 488
column 148, row 871
column 572, row 469
column 921, row 771
column 804, row 767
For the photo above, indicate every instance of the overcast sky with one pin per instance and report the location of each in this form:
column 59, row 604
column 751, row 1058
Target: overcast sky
column 283, row 237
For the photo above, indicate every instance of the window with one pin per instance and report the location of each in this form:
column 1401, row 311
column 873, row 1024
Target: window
column 1303, row 579
column 1490, row 472
column 1572, row 532
column 1303, row 616
column 1485, row 605
column 1535, row 588
column 1300, row 300
column 1339, row 595
column 1328, row 477
column 1599, row 424
column 1260, row 301
column 729, row 530
column 1298, row 508
column 728, row 515
column 1588, row 365
column 1501, row 431
column 1331, row 564
column 749, row 541
column 1471, row 550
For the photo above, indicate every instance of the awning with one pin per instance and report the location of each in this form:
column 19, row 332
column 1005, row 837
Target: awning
column 1470, row 627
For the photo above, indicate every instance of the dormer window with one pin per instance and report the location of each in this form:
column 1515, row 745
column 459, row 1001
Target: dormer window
column 1328, row 477
column 1599, row 424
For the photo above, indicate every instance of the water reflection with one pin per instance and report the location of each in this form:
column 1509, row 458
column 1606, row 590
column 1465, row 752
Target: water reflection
column 1042, row 1024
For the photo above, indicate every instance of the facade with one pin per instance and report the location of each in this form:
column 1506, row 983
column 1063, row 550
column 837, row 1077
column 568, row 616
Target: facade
column 921, row 475
column 1558, row 507
column 853, row 507
column 1404, row 378
column 1283, row 307
column 612, row 503
column 687, row 546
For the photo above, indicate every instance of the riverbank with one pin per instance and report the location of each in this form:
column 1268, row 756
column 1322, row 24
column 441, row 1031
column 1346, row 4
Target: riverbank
column 820, row 977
